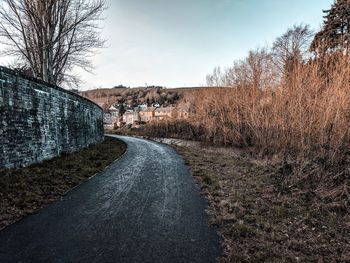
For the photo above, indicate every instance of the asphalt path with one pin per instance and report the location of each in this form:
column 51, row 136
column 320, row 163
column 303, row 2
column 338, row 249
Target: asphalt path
column 145, row 207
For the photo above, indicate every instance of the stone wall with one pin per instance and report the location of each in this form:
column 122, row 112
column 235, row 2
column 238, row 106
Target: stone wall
column 39, row 121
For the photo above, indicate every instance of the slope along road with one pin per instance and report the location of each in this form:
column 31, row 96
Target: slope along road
column 145, row 207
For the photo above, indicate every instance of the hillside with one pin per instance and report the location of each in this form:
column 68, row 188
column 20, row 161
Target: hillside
column 135, row 96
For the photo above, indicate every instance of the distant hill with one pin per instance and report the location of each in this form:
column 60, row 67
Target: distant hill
column 135, row 96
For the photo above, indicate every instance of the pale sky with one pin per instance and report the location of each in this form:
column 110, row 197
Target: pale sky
column 175, row 43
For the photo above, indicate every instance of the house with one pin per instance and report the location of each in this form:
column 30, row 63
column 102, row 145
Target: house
column 142, row 106
column 130, row 117
column 107, row 121
column 130, row 109
column 163, row 113
column 114, row 111
column 107, row 117
column 147, row 114
column 182, row 112
column 111, row 118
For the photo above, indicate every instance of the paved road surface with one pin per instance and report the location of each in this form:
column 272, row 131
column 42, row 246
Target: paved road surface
column 143, row 208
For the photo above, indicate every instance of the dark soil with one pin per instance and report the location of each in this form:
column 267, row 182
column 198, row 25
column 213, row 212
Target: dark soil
column 25, row 190
column 274, row 213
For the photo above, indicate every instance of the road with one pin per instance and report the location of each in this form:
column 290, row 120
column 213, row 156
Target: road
column 145, row 207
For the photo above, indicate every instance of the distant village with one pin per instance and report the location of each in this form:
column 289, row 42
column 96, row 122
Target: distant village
column 119, row 115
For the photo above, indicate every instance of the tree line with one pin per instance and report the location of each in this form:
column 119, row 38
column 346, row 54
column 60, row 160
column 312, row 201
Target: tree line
column 133, row 96
column 297, row 46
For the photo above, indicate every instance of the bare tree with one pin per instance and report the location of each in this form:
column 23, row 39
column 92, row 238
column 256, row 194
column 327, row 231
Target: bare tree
column 215, row 79
column 259, row 69
column 256, row 71
column 292, row 47
column 52, row 37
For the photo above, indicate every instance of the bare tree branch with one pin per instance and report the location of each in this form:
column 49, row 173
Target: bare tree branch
column 52, row 36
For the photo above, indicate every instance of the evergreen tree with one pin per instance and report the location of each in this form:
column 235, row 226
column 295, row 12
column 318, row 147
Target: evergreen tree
column 335, row 33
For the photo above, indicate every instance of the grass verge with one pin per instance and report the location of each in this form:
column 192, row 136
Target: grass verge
column 125, row 131
column 25, row 190
column 262, row 218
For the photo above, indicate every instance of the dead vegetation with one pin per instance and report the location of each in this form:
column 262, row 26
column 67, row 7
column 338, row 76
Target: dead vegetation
column 25, row 190
column 302, row 119
column 262, row 217
column 293, row 112
column 309, row 116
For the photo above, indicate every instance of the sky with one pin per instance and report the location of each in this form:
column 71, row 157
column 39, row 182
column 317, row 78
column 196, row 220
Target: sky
column 176, row 43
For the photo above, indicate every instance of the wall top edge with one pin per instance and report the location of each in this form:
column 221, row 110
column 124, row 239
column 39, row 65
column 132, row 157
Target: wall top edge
column 41, row 82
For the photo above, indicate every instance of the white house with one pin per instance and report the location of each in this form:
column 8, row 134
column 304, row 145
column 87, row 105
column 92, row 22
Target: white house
column 110, row 118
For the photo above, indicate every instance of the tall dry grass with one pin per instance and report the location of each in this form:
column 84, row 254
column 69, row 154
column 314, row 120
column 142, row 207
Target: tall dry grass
column 306, row 113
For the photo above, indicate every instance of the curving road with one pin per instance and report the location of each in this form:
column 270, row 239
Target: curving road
column 145, row 207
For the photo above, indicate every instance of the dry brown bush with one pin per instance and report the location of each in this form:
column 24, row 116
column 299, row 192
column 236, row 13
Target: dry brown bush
column 306, row 114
